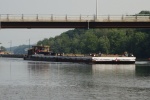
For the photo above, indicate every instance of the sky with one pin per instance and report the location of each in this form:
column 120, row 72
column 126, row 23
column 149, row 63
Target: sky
column 60, row 7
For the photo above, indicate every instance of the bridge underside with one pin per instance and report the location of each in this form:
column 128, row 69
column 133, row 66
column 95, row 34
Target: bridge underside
column 75, row 25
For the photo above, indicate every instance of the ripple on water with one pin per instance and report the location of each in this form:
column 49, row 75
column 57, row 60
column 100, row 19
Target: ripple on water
column 29, row 80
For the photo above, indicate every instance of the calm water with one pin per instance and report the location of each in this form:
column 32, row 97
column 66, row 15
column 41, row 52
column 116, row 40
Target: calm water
column 29, row 80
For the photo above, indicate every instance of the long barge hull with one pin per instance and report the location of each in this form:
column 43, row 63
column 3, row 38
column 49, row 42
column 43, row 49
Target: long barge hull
column 87, row 59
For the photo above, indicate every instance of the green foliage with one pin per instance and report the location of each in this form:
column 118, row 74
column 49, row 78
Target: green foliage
column 103, row 44
column 144, row 12
column 2, row 48
column 108, row 41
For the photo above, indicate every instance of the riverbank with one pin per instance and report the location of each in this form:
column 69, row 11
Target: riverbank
column 12, row 55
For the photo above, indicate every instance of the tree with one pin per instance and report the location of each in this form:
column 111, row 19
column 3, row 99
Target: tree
column 103, row 45
column 2, row 48
column 117, row 39
column 144, row 12
column 136, row 43
column 91, row 41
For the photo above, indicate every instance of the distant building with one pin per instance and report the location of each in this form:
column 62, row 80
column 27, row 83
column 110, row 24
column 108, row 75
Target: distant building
column 3, row 52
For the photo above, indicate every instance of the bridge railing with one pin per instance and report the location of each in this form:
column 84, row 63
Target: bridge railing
column 73, row 18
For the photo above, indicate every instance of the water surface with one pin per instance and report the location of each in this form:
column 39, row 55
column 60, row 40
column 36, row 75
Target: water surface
column 31, row 80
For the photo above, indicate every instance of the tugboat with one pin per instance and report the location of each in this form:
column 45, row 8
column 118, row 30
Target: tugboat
column 38, row 51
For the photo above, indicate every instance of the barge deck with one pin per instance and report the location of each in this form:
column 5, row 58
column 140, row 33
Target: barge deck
column 84, row 59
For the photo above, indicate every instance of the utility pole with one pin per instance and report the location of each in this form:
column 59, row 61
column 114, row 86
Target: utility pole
column 29, row 43
column 10, row 45
column 96, row 9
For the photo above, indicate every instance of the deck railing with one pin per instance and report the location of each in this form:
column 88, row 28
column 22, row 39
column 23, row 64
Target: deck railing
column 73, row 18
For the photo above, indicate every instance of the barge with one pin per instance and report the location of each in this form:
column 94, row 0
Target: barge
column 86, row 59
column 42, row 53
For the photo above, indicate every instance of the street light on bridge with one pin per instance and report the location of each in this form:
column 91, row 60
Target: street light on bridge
column 96, row 8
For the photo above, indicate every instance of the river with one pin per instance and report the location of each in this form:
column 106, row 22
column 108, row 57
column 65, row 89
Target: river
column 31, row 80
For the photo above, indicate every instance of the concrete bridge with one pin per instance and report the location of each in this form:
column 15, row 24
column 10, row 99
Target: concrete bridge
column 73, row 21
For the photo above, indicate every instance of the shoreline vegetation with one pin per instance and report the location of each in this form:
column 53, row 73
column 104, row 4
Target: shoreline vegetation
column 107, row 41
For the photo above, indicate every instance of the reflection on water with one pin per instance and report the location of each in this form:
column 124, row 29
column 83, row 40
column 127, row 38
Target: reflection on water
column 102, row 68
column 138, row 70
column 30, row 80
column 143, row 71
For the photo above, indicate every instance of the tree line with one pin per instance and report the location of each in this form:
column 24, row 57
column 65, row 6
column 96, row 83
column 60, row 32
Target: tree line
column 107, row 41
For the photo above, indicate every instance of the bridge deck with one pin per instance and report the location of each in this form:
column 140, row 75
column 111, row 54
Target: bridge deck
column 66, row 21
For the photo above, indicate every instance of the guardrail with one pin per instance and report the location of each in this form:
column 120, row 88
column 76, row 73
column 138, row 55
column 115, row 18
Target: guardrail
column 73, row 18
